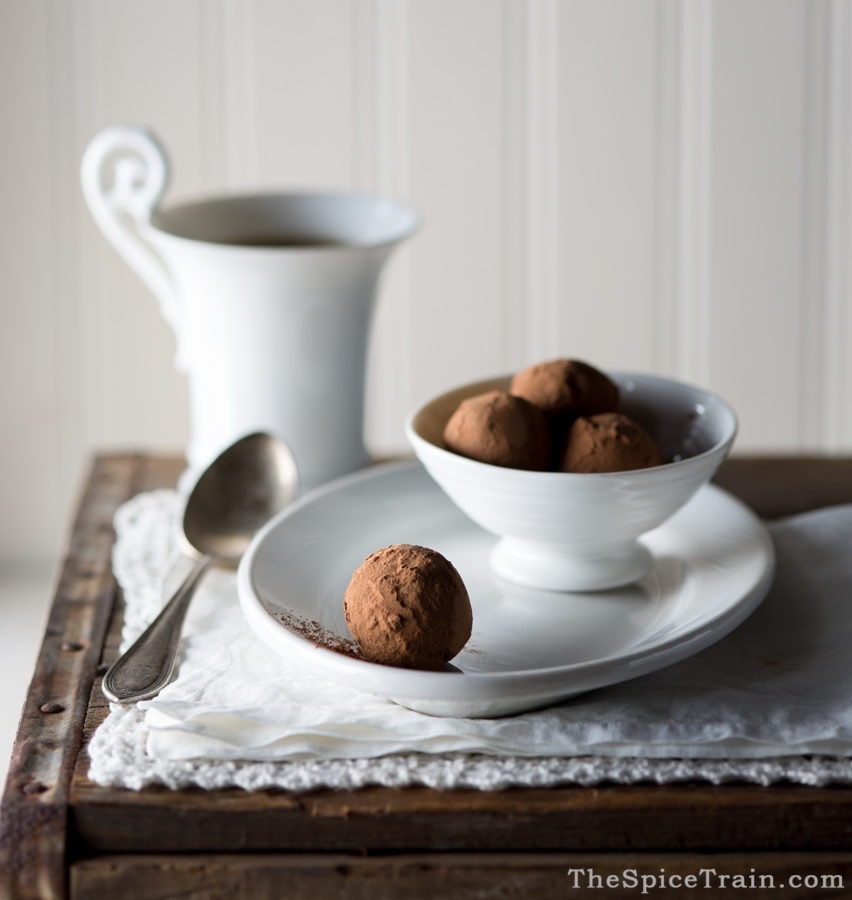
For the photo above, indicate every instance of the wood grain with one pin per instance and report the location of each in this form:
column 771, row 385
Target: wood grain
column 427, row 876
column 381, row 820
column 33, row 818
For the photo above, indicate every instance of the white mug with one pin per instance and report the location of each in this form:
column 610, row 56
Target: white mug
column 270, row 297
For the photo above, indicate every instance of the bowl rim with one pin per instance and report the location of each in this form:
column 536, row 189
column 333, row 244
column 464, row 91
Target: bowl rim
column 720, row 447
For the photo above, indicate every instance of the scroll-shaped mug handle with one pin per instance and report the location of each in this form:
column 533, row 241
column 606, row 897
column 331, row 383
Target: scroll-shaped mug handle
column 124, row 173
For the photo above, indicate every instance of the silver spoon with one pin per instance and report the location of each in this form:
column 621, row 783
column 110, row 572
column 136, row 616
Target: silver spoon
column 240, row 491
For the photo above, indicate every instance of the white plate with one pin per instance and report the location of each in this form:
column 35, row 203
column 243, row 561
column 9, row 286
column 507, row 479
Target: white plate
column 713, row 564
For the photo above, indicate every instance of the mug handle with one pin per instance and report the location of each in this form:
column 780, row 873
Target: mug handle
column 124, row 173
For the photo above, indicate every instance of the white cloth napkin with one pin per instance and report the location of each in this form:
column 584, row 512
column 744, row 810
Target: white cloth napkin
column 778, row 686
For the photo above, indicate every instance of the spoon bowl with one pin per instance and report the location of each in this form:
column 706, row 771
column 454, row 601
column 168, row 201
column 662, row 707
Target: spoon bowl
column 241, row 490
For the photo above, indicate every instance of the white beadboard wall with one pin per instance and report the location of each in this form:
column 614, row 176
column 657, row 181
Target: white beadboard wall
column 664, row 185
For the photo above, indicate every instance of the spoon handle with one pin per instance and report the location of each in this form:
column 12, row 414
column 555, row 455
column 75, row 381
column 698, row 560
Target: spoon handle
column 146, row 667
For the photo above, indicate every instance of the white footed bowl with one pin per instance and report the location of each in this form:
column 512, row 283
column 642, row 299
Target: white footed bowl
column 578, row 531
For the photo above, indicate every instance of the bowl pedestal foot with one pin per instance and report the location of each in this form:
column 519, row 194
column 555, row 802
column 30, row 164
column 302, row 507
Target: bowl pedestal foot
column 551, row 567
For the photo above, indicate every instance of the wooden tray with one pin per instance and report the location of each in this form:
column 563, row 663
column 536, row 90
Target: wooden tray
column 63, row 836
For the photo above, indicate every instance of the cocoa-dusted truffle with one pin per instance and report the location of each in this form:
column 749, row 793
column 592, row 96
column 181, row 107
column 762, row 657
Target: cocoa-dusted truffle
column 408, row 606
column 608, row 442
column 501, row 429
column 566, row 388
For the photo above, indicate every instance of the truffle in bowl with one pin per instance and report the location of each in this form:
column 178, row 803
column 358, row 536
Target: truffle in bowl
column 580, row 531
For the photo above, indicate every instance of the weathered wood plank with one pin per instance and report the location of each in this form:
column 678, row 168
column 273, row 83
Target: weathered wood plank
column 33, row 818
column 468, row 876
column 640, row 818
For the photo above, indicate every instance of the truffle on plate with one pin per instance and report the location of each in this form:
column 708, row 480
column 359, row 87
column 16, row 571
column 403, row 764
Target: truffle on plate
column 407, row 606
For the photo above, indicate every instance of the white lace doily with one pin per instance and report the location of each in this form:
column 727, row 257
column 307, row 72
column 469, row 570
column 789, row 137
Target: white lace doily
column 126, row 752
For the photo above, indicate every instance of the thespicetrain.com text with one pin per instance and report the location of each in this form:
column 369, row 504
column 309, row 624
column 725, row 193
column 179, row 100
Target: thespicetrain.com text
column 587, row 879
